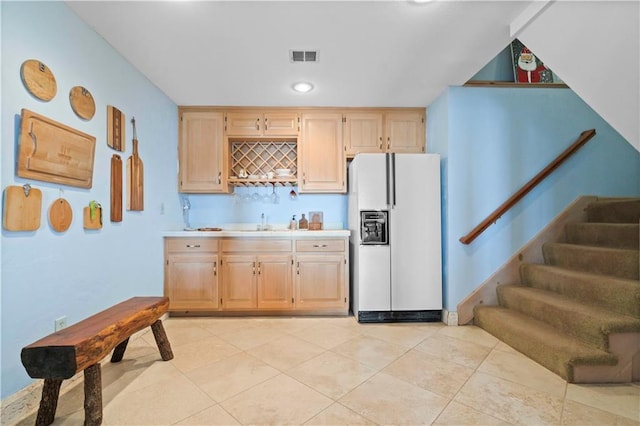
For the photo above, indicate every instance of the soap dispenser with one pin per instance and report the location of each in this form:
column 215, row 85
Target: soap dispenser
column 303, row 223
column 293, row 225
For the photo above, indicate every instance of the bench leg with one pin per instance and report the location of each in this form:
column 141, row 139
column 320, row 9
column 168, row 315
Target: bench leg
column 161, row 340
column 48, row 402
column 92, row 395
column 118, row 352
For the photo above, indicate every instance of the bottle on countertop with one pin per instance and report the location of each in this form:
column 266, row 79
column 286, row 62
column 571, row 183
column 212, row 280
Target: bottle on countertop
column 303, row 223
column 293, row 225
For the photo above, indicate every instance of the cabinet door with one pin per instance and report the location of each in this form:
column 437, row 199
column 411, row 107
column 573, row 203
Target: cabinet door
column 239, row 282
column 405, row 132
column 275, row 282
column 321, row 152
column 363, row 133
column 192, row 282
column 320, row 281
column 281, row 124
column 243, row 123
column 201, row 152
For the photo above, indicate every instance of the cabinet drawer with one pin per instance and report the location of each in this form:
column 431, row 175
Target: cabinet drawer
column 320, row 245
column 191, row 244
column 256, row 245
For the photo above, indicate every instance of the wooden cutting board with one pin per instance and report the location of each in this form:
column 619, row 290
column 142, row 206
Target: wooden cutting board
column 115, row 128
column 82, row 102
column 21, row 211
column 60, row 215
column 116, row 188
column 135, row 177
column 94, row 222
column 53, row 152
column 38, row 79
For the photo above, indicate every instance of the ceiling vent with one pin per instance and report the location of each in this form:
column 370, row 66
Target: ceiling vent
column 304, row 56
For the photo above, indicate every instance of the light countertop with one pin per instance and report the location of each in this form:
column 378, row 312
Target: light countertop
column 275, row 233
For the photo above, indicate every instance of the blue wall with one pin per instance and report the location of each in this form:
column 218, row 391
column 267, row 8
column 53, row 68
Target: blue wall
column 493, row 140
column 218, row 210
column 45, row 274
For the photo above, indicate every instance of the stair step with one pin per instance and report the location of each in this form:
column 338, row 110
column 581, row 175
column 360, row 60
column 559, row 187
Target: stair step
column 615, row 235
column 616, row 294
column 557, row 351
column 588, row 323
column 614, row 210
column 622, row 263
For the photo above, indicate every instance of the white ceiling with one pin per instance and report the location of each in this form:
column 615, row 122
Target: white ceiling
column 380, row 53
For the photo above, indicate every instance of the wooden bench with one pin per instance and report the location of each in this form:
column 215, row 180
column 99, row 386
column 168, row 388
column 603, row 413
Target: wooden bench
column 83, row 345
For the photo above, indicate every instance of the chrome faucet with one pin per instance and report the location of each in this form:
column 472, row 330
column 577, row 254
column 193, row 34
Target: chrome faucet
column 263, row 225
column 186, row 205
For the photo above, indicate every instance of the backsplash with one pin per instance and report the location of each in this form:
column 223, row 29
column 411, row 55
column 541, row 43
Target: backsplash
column 244, row 207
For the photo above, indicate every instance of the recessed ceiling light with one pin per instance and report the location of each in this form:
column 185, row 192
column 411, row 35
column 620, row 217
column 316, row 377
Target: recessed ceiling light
column 303, row 87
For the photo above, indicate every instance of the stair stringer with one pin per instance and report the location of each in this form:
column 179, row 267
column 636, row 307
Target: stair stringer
column 626, row 347
column 531, row 252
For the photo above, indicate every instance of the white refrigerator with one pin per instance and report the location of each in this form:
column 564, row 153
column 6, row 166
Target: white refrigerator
column 394, row 219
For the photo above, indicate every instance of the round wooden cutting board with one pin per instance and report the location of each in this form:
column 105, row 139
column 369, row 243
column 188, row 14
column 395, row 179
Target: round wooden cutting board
column 60, row 215
column 82, row 102
column 38, row 79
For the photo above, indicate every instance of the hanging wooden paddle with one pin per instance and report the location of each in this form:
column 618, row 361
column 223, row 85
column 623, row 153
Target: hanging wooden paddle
column 135, row 176
column 116, row 188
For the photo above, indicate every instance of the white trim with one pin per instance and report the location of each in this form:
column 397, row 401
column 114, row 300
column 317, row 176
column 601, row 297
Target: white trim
column 449, row 318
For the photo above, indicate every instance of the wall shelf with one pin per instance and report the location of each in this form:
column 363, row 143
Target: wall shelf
column 291, row 181
column 483, row 83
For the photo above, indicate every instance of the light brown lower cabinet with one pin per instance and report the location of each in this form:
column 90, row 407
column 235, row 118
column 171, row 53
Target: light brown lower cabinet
column 191, row 274
column 320, row 281
column 257, row 275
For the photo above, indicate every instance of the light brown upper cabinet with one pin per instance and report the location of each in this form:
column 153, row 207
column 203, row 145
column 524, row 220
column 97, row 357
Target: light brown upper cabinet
column 322, row 165
column 363, row 132
column 405, row 132
column 257, row 123
column 401, row 131
column 202, row 152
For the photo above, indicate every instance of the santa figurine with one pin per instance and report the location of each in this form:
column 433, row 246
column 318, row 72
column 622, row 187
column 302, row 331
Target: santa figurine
column 528, row 71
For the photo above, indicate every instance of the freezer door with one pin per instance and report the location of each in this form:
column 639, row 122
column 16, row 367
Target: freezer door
column 415, row 234
column 374, row 278
column 371, row 181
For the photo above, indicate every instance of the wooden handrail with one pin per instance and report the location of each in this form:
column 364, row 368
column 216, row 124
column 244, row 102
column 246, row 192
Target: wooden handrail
column 497, row 213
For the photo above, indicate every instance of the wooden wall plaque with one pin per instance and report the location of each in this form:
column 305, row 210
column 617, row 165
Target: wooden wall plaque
column 53, row 152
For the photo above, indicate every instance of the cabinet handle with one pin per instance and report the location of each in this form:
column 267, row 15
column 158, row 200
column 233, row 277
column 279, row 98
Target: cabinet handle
column 259, row 271
column 193, row 245
column 304, row 178
column 380, row 142
column 257, row 124
column 215, row 268
column 298, row 268
column 320, row 245
column 266, row 125
column 388, row 142
column 219, row 178
column 254, row 268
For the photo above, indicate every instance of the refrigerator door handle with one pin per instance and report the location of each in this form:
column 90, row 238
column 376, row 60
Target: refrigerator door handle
column 393, row 177
column 388, row 174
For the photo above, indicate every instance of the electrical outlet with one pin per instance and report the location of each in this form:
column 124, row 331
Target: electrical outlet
column 60, row 323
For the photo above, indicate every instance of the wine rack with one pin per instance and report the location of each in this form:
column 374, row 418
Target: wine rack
column 258, row 158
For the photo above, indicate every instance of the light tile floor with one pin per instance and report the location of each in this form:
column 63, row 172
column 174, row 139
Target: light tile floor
column 334, row 371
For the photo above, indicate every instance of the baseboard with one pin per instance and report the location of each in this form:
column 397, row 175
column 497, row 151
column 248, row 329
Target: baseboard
column 531, row 252
column 449, row 317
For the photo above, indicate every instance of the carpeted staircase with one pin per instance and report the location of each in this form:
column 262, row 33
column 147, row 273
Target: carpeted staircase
column 579, row 313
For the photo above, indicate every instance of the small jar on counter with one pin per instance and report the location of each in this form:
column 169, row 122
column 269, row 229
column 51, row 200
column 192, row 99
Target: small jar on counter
column 303, row 223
